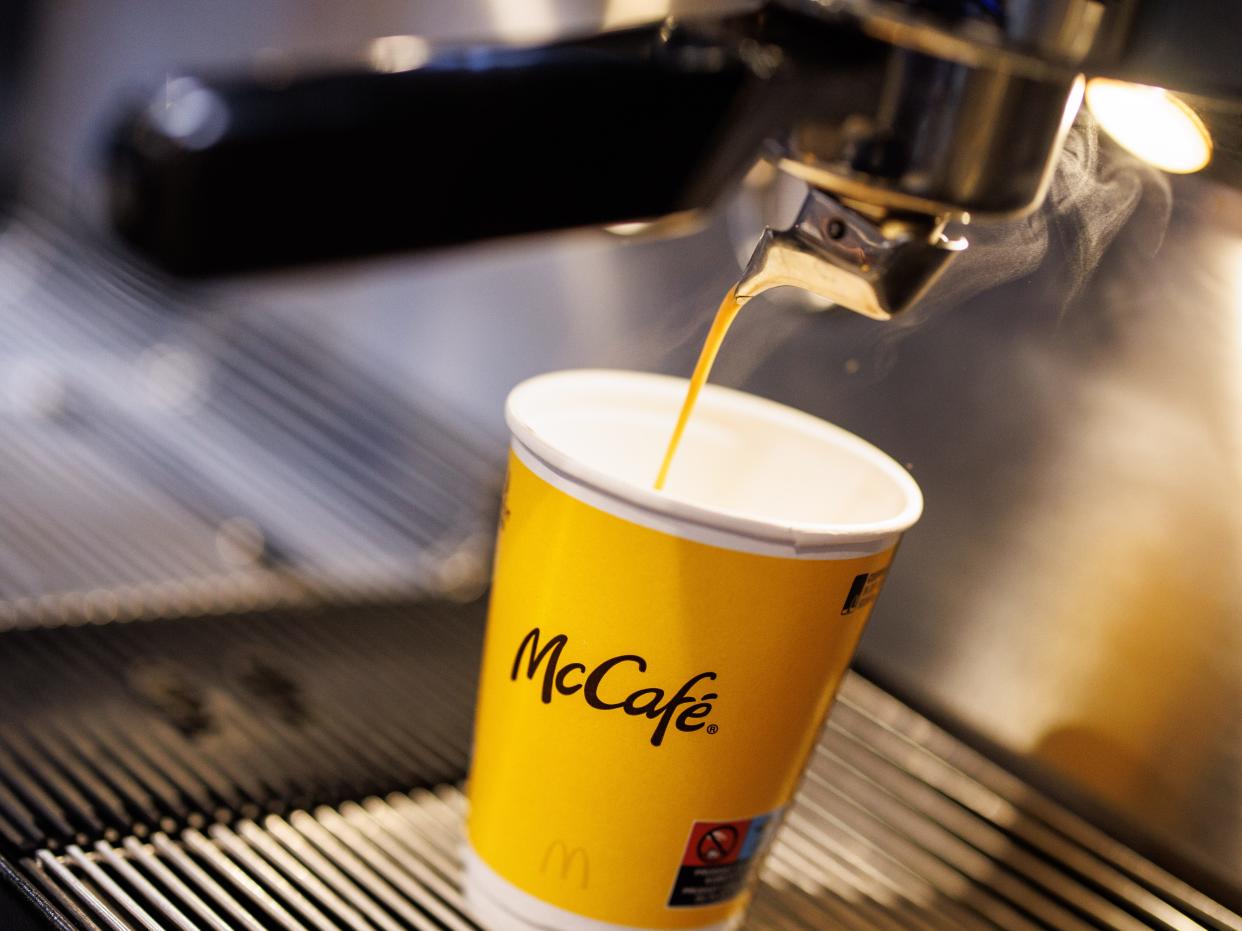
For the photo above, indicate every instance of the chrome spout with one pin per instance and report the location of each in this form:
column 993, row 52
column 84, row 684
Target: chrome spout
column 876, row 266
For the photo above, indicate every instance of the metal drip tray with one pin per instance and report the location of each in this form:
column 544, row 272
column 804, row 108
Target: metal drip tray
column 897, row 826
column 168, row 452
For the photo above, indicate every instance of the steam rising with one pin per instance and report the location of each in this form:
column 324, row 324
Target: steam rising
column 1100, row 196
column 1098, row 190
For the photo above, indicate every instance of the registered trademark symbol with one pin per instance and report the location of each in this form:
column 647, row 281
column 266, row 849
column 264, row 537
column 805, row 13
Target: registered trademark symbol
column 712, row 728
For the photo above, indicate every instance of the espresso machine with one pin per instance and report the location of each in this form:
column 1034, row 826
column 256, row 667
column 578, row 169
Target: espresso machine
column 266, row 275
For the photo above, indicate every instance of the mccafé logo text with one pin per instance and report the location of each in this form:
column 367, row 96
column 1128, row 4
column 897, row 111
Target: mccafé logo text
column 681, row 710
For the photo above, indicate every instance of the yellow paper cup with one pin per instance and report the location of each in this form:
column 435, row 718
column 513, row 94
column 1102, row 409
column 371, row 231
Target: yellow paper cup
column 658, row 665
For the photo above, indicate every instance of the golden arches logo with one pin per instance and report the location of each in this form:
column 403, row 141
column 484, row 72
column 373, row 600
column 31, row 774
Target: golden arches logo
column 567, row 859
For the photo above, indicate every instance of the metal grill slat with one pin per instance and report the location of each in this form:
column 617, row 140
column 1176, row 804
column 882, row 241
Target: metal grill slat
column 135, row 879
column 262, row 842
column 143, row 419
column 327, row 872
column 237, row 917
column 387, row 864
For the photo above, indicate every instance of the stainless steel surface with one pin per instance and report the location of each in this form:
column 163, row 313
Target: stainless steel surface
column 161, row 464
column 877, row 268
column 941, row 123
column 1070, row 596
column 897, row 826
column 1186, row 48
column 961, row 120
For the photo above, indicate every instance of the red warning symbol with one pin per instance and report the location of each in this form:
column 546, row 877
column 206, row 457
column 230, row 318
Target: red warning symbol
column 718, row 843
column 720, row 857
column 714, row 843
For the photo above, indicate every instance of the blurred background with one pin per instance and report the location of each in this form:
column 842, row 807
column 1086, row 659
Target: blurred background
column 1068, row 399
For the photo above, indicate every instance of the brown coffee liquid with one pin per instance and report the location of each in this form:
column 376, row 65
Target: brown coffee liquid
column 711, row 346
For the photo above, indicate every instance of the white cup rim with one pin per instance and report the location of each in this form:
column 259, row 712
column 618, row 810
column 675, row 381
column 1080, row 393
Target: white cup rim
column 807, row 539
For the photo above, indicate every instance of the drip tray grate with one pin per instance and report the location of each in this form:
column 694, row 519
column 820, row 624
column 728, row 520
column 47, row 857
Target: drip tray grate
column 171, row 450
column 897, row 826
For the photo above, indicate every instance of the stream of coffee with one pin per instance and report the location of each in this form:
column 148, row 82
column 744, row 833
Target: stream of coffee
column 711, row 346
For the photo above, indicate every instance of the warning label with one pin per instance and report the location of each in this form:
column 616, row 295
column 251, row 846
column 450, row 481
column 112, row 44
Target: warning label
column 718, row 860
column 863, row 591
